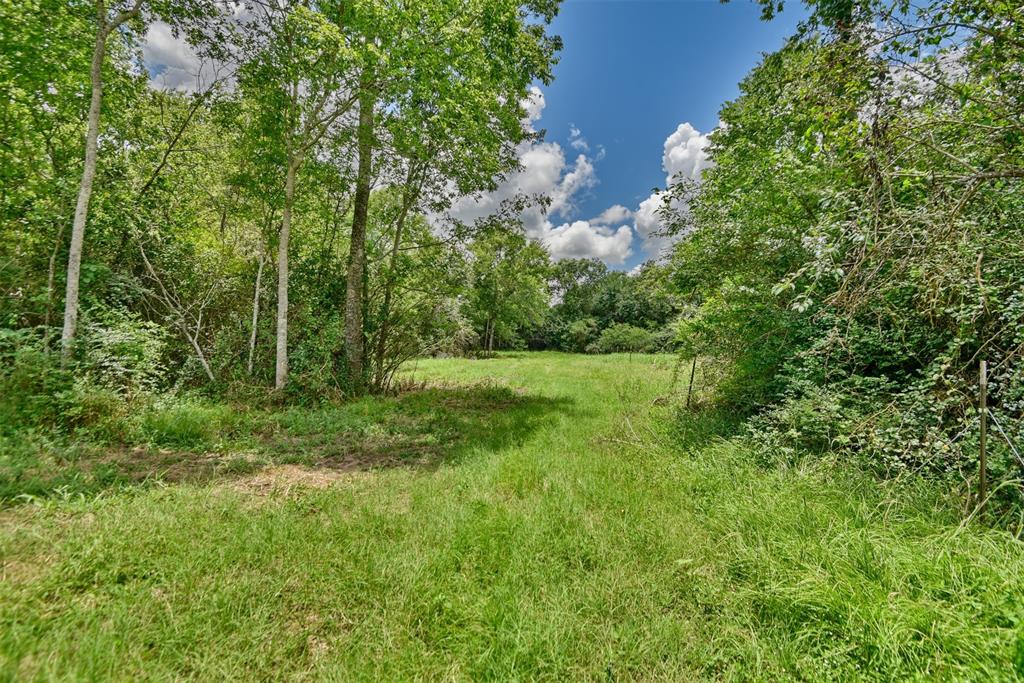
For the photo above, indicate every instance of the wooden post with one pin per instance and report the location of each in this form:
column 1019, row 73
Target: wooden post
column 689, row 388
column 983, row 411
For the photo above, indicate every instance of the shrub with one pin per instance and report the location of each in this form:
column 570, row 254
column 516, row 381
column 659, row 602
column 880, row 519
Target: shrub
column 580, row 334
column 33, row 387
column 123, row 352
column 621, row 337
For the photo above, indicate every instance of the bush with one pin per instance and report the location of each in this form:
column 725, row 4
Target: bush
column 34, row 390
column 580, row 334
column 621, row 337
column 123, row 352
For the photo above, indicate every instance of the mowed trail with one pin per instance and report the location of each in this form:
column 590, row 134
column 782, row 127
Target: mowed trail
column 516, row 557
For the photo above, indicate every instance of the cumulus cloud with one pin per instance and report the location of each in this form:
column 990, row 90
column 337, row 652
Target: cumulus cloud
column 647, row 222
column 534, row 105
column 581, row 239
column 684, row 156
column 545, row 171
column 613, row 215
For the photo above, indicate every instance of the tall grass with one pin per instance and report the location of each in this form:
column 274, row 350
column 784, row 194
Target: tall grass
column 569, row 539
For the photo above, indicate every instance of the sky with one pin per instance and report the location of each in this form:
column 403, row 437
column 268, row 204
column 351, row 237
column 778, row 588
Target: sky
column 637, row 88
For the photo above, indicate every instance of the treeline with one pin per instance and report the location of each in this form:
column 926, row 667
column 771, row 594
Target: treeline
column 282, row 220
column 855, row 251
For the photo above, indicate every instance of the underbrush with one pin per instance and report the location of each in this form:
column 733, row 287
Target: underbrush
column 104, row 438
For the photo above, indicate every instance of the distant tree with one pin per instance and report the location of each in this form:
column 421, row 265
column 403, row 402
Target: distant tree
column 621, row 337
column 508, row 292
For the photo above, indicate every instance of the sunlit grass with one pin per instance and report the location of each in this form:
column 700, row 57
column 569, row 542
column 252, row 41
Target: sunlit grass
column 540, row 525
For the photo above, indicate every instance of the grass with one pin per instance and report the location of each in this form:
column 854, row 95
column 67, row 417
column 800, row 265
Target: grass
column 528, row 517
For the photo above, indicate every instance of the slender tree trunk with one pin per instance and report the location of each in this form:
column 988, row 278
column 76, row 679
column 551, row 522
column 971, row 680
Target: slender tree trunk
column 104, row 27
column 389, row 287
column 194, row 341
column 355, row 349
column 51, row 275
column 281, row 368
column 84, row 194
column 255, row 313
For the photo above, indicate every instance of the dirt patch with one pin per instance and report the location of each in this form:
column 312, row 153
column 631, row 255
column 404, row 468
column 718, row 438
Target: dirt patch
column 22, row 572
column 283, row 479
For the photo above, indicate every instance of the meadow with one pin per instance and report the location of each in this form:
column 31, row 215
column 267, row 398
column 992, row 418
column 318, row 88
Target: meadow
column 534, row 516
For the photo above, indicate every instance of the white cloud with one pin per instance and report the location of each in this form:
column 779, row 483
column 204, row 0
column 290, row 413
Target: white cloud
column 576, row 139
column 545, row 171
column 534, row 105
column 647, row 222
column 612, row 215
column 581, row 239
column 684, row 156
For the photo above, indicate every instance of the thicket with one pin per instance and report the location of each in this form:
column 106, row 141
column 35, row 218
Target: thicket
column 275, row 218
column 855, row 249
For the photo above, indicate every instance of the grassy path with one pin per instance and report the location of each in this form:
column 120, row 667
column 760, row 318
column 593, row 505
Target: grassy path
column 558, row 535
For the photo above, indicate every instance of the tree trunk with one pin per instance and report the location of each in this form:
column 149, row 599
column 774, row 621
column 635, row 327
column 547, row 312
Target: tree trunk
column 84, row 194
column 255, row 312
column 389, row 287
column 281, row 368
column 355, row 350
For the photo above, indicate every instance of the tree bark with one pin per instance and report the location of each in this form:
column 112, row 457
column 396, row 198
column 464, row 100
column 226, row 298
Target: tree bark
column 281, row 368
column 84, row 195
column 355, row 343
column 104, row 28
column 255, row 313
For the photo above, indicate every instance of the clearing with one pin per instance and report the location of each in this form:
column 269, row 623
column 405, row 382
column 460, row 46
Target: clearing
column 529, row 516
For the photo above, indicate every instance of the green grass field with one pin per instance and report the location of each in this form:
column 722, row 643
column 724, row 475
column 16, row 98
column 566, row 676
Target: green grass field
column 532, row 516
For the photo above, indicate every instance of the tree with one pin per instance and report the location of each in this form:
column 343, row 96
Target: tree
column 301, row 68
column 108, row 21
column 455, row 65
column 508, row 291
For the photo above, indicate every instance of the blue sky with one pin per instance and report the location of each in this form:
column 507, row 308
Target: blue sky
column 631, row 71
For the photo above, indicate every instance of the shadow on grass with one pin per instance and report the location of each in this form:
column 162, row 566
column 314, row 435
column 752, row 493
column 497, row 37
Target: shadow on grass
column 421, row 429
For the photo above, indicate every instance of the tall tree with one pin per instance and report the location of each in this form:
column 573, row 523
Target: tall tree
column 107, row 21
column 301, row 68
column 444, row 58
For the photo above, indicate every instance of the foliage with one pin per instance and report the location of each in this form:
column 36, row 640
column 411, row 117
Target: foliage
column 589, row 299
column 508, row 293
column 850, row 253
column 620, row 337
column 192, row 190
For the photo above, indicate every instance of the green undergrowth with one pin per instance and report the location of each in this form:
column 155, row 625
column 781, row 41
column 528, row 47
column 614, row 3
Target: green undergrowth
column 175, row 439
column 527, row 517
